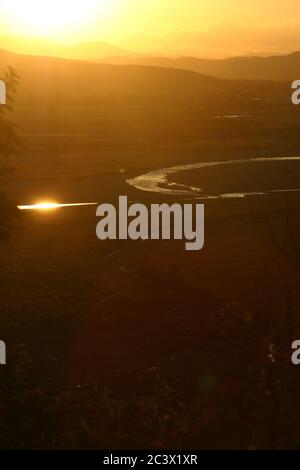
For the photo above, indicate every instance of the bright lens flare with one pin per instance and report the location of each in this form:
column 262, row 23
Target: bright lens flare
column 46, row 206
column 40, row 206
column 40, row 16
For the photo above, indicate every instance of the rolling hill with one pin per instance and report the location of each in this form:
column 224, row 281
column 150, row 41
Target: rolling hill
column 282, row 67
column 47, row 76
column 277, row 67
column 61, row 96
column 81, row 95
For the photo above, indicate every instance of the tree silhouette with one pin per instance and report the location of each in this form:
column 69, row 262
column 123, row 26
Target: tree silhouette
column 10, row 146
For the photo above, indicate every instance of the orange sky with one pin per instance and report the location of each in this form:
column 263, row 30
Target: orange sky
column 167, row 26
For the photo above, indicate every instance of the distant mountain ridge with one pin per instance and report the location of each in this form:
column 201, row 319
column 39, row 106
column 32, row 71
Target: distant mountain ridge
column 44, row 47
column 277, row 67
column 282, row 67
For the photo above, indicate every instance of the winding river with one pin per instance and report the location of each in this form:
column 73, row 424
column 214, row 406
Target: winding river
column 157, row 181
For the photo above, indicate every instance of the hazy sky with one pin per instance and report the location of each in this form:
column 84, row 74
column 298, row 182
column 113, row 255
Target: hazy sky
column 213, row 26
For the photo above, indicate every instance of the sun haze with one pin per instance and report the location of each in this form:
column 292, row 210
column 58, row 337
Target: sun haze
column 161, row 26
column 52, row 17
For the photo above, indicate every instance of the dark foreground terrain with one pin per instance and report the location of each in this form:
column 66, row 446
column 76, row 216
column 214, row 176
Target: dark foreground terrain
column 142, row 344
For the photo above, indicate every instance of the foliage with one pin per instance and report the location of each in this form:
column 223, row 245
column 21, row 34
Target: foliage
column 10, row 146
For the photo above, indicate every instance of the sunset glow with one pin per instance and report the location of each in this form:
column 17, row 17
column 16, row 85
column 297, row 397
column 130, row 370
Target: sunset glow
column 191, row 27
column 34, row 16
column 45, row 206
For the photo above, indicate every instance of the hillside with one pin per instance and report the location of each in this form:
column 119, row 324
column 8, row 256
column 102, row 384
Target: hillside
column 277, row 67
column 283, row 67
column 133, row 101
column 52, row 78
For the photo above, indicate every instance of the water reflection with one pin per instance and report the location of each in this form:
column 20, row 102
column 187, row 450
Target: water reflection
column 46, row 206
column 157, row 181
